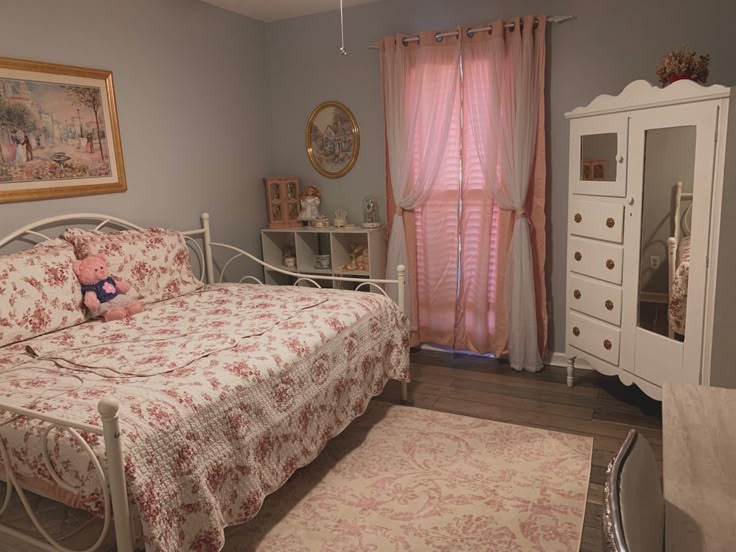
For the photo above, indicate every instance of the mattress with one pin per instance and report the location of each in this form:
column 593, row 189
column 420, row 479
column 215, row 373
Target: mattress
column 224, row 393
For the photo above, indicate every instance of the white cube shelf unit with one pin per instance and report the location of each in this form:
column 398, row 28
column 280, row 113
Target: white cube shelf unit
column 306, row 243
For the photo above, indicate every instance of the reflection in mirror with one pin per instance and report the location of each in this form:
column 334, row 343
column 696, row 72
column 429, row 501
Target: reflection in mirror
column 598, row 156
column 669, row 167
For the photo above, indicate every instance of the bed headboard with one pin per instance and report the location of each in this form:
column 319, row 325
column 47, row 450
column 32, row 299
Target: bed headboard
column 681, row 226
column 38, row 231
column 48, row 229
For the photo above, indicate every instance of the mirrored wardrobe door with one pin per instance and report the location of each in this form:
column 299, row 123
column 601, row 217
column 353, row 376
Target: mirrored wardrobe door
column 670, row 176
column 598, row 155
column 666, row 229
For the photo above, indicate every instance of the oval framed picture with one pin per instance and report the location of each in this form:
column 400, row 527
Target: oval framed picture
column 333, row 139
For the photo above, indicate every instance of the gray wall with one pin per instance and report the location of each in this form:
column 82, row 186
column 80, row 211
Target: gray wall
column 210, row 102
column 606, row 47
column 192, row 102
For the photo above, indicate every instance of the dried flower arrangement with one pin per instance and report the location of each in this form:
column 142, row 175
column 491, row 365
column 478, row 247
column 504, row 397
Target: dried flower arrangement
column 680, row 64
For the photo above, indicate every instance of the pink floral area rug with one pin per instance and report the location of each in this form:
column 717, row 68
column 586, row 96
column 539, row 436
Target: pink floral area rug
column 407, row 479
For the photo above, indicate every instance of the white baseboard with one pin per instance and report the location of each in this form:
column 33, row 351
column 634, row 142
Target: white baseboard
column 430, row 347
column 550, row 359
column 555, row 359
column 560, row 359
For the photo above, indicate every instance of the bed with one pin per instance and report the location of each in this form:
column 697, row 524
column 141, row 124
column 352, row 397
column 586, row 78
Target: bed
column 179, row 421
column 678, row 263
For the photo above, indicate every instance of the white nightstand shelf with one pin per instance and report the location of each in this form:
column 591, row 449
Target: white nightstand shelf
column 306, row 243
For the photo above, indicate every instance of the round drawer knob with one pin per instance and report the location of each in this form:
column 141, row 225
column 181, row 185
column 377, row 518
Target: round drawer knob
column 610, row 222
column 620, row 158
column 578, row 217
column 607, row 344
column 577, row 294
column 578, row 256
column 576, row 331
column 610, row 265
column 609, row 304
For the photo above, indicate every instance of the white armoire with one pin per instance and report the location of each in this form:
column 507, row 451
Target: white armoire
column 651, row 241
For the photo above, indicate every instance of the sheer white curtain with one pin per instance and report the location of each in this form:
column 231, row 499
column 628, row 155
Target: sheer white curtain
column 503, row 82
column 420, row 84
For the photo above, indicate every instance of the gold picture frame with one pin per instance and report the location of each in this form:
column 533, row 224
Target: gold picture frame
column 59, row 132
column 332, row 139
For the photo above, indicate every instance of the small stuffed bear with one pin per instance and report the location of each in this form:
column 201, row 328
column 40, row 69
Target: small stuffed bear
column 103, row 294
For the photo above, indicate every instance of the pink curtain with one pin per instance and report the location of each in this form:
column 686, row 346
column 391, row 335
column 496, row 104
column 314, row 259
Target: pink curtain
column 437, row 254
column 464, row 236
column 503, row 88
column 485, row 238
column 420, row 95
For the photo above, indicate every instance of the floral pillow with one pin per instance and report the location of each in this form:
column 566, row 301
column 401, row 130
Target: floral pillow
column 39, row 292
column 155, row 261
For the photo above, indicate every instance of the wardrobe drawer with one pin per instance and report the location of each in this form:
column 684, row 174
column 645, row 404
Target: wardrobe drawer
column 602, row 301
column 593, row 337
column 596, row 259
column 595, row 219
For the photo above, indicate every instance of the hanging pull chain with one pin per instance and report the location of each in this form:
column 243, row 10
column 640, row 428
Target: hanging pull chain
column 343, row 51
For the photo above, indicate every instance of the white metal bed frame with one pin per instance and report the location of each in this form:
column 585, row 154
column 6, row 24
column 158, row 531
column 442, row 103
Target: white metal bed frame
column 673, row 243
column 113, row 484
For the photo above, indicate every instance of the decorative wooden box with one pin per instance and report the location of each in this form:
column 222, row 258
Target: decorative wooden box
column 282, row 201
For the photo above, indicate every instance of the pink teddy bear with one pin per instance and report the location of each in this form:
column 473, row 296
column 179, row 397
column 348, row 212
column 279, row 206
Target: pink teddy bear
column 103, row 294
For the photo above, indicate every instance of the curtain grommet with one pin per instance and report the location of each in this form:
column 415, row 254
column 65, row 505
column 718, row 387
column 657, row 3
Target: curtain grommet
column 469, row 32
column 438, row 37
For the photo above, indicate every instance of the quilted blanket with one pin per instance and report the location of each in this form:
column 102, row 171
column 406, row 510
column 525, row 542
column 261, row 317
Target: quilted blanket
column 156, row 342
column 271, row 374
column 677, row 311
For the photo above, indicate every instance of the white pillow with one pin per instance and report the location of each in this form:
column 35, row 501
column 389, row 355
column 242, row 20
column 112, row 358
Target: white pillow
column 39, row 292
column 155, row 261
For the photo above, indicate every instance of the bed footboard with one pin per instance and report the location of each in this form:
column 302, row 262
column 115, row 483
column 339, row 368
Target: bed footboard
column 112, row 480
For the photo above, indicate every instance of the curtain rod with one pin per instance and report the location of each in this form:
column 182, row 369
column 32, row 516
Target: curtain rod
column 472, row 31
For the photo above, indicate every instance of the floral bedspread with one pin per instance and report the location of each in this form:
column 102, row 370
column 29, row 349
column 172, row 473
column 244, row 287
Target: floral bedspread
column 678, row 289
column 267, row 377
column 155, row 342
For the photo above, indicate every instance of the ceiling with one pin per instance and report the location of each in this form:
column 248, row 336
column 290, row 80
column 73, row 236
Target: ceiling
column 273, row 10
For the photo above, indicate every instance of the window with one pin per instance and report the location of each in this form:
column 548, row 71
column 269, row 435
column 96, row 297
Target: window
column 457, row 240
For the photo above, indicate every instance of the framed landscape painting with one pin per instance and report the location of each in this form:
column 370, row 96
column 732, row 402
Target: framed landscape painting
column 333, row 139
column 59, row 134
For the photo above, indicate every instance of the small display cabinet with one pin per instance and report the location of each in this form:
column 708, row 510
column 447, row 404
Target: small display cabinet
column 282, row 201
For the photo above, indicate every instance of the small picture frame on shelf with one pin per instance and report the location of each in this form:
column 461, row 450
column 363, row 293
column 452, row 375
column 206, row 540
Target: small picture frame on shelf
column 599, row 170
column 594, row 170
column 587, row 171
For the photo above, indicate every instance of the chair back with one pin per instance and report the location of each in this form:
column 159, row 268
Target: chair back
column 633, row 516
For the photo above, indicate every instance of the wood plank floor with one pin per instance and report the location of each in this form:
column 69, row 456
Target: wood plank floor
column 598, row 406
